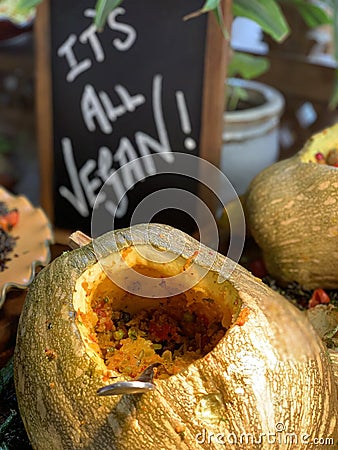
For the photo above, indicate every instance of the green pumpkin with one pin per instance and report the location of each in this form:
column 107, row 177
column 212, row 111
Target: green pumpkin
column 292, row 213
column 270, row 367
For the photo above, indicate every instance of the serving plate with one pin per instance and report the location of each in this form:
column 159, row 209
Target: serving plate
column 34, row 235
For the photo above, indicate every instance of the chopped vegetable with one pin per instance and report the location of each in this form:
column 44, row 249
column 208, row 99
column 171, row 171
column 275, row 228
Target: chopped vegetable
column 9, row 221
column 331, row 159
column 243, row 317
column 319, row 297
column 130, row 342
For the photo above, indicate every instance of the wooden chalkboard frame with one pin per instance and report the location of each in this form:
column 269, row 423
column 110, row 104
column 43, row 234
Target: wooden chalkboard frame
column 215, row 69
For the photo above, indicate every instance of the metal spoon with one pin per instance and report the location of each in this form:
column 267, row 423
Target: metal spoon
column 144, row 383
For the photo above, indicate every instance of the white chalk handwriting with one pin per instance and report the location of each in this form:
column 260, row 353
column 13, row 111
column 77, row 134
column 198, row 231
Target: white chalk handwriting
column 90, row 37
column 101, row 111
column 100, row 107
column 87, row 180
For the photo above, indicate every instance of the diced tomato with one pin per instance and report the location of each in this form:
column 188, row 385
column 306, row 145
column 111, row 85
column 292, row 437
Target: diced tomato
column 162, row 332
column 243, row 317
column 319, row 297
column 101, row 309
column 9, row 221
column 106, row 377
column 109, row 325
column 319, row 156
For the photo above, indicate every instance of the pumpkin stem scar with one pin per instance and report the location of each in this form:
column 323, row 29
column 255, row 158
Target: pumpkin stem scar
column 78, row 239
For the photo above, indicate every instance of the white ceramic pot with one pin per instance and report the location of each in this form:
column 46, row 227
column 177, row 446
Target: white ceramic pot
column 250, row 136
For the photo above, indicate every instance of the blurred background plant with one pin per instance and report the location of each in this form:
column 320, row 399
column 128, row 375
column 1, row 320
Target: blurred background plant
column 268, row 14
column 270, row 17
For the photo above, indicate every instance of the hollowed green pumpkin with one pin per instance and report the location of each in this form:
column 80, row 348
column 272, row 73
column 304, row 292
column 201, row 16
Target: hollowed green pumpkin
column 270, row 368
column 292, row 213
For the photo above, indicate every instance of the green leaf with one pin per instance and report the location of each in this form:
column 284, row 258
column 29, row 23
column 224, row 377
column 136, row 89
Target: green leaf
column 209, row 5
column 26, row 5
column 247, row 66
column 216, row 8
column 235, row 94
column 18, row 10
column 265, row 13
column 220, row 21
column 313, row 15
column 103, row 8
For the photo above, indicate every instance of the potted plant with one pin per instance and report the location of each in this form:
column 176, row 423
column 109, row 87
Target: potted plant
column 253, row 109
column 250, row 134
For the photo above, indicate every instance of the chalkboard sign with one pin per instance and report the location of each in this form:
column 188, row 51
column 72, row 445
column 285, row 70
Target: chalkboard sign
column 149, row 84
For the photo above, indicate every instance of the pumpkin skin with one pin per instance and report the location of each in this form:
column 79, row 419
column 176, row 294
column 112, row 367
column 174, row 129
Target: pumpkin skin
column 269, row 368
column 292, row 213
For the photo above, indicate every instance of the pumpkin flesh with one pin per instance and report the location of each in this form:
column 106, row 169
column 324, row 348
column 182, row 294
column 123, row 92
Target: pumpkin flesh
column 130, row 332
